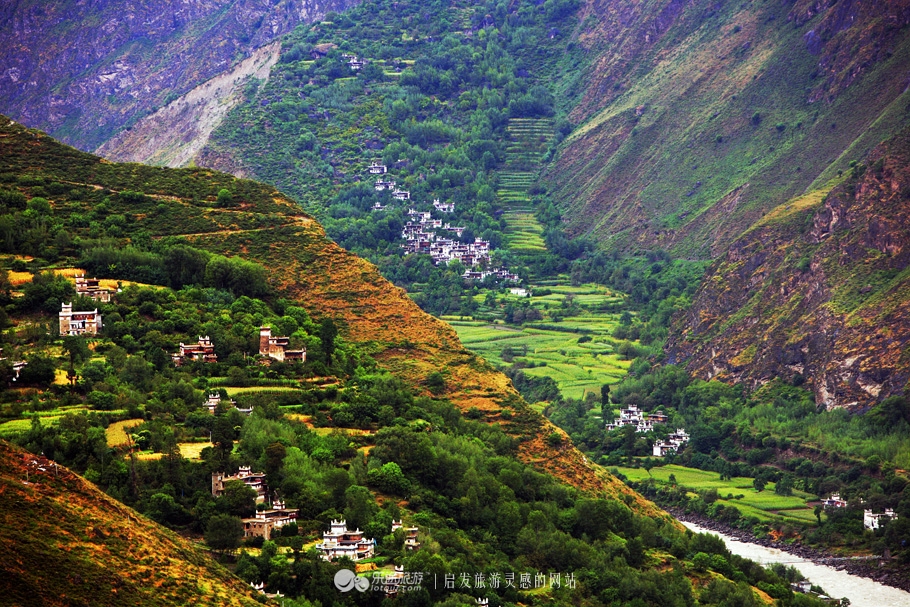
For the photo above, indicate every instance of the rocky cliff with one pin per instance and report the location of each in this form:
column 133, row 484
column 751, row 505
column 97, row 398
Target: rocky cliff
column 697, row 117
column 818, row 290
column 84, row 70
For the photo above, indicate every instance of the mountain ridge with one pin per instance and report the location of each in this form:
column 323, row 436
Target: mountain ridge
column 698, row 118
column 306, row 266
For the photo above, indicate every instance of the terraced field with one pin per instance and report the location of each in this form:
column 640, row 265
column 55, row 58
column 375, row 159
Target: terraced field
column 550, row 347
column 765, row 505
column 528, row 141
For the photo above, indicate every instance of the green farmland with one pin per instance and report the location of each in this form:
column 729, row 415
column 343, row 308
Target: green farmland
column 550, row 347
column 765, row 505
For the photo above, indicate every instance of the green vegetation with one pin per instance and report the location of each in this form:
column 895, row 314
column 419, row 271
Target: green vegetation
column 456, row 107
column 742, row 442
column 533, row 337
column 413, row 455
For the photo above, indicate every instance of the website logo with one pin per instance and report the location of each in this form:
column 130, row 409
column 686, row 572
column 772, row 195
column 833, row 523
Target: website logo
column 345, row 580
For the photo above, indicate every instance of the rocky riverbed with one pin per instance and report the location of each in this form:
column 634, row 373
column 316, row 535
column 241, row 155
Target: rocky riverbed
column 887, row 573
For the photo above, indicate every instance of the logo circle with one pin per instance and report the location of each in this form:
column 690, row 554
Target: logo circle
column 345, row 579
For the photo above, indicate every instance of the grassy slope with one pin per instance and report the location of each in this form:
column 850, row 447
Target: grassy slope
column 818, row 287
column 103, row 552
column 667, row 154
column 269, row 229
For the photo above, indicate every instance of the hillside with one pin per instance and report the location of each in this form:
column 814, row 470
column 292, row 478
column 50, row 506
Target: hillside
column 102, row 552
column 266, row 227
column 173, row 135
column 816, row 289
column 84, row 72
column 697, row 118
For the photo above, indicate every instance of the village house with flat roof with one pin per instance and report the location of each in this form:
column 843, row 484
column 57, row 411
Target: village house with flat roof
column 339, row 542
column 253, row 480
column 278, row 348
column 264, row 523
column 203, row 351
column 91, row 287
column 79, row 322
column 875, row 520
column 383, row 184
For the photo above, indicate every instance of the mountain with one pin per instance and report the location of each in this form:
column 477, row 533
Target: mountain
column 68, row 543
column 84, row 71
column 699, row 117
column 306, row 267
column 817, row 289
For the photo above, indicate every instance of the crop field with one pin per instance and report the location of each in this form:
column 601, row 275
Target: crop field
column 523, row 232
column 116, row 432
column 765, row 505
column 192, row 450
column 235, row 390
column 576, row 368
column 551, row 348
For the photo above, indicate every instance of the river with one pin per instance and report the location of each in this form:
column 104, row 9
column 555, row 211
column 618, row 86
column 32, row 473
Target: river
column 861, row 591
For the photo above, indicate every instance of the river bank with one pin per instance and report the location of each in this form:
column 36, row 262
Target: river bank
column 887, row 574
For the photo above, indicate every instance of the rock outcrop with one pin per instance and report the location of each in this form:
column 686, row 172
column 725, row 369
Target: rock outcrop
column 818, row 290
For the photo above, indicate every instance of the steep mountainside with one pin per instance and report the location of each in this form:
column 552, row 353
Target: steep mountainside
column 819, row 287
column 67, row 543
column 173, row 135
column 698, row 117
column 268, row 228
column 83, row 71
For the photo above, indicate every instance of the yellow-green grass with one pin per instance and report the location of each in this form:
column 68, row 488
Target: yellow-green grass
column 348, row 431
column 18, row 426
column 576, row 368
column 116, row 432
column 524, row 232
column 764, row 505
column 192, row 450
column 235, row 390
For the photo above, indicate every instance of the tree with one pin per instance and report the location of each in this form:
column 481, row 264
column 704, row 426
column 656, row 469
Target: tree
column 224, row 532
column 701, row 562
column 223, row 436
column 238, row 499
column 38, row 371
column 784, row 486
column 759, row 484
column 225, row 199
column 436, row 382
column 360, row 506
column 328, row 331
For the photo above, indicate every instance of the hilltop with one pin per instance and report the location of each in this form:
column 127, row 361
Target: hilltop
column 68, row 543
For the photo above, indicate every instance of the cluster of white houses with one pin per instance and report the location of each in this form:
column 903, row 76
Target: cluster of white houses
column 266, row 521
column 340, row 542
column 871, row 520
column 425, row 235
column 644, row 422
column 421, row 235
column 83, row 322
column 633, row 416
column 674, row 443
column 214, row 401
